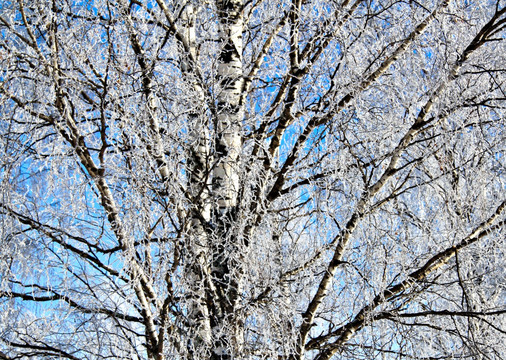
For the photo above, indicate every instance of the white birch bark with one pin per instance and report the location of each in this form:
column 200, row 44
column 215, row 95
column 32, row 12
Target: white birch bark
column 230, row 112
column 199, row 184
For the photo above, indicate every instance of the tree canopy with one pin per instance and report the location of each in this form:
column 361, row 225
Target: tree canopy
column 252, row 179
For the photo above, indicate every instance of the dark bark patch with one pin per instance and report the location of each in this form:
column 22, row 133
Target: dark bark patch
column 229, row 53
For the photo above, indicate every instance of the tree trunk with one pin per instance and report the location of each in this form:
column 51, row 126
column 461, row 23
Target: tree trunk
column 199, row 186
column 227, row 329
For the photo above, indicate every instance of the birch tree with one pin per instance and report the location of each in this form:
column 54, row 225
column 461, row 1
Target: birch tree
column 251, row 179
